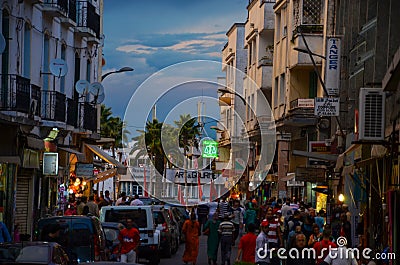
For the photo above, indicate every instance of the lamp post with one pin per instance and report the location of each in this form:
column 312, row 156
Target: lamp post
column 123, row 69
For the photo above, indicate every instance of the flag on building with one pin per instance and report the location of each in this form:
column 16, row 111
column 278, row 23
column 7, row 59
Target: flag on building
column 145, row 193
column 180, row 196
column 213, row 192
column 199, row 187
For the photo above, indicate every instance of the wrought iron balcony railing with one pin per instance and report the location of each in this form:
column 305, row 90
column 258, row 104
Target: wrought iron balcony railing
column 36, row 101
column 15, row 93
column 87, row 116
column 72, row 112
column 87, row 17
column 53, row 106
column 61, row 5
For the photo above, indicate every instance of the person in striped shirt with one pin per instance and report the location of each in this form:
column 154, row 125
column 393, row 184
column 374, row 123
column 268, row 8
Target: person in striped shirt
column 274, row 235
column 226, row 230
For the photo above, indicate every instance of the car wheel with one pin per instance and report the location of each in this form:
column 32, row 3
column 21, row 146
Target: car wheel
column 168, row 251
column 176, row 246
column 155, row 259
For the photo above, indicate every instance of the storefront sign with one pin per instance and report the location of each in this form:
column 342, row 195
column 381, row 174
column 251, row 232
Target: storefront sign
column 210, row 149
column 178, row 176
column 83, row 170
column 326, row 107
column 50, row 164
column 332, row 73
column 319, row 147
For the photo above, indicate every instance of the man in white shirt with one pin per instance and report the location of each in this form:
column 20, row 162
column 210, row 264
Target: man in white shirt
column 136, row 201
column 121, row 200
column 262, row 251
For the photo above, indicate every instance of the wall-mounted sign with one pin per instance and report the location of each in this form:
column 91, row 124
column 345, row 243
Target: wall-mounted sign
column 50, row 164
column 83, row 170
column 192, row 176
column 327, row 107
column 209, row 149
column 319, row 147
column 332, row 69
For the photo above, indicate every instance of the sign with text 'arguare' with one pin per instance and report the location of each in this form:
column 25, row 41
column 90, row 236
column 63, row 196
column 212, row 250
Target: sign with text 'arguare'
column 327, row 107
column 332, row 69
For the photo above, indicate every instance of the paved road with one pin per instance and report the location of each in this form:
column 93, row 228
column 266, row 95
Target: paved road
column 202, row 258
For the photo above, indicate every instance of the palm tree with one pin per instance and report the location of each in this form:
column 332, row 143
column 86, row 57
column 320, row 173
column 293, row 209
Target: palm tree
column 188, row 133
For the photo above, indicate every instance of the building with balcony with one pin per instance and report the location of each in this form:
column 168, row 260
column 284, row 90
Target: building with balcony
column 259, row 43
column 295, row 86
column 40, row 110
column 231, row 98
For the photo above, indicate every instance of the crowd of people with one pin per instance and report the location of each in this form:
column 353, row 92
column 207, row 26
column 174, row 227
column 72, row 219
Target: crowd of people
column 260, row 230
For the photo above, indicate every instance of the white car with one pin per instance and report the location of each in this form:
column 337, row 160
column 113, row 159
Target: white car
column 143, row 217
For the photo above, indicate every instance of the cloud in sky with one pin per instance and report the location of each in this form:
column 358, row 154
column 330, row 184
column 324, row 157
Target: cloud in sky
column 151, row 35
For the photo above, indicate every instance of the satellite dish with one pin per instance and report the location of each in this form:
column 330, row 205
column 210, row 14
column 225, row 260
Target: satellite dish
column 96, row 89
column 82, row 87
column 99, row 99
column 58, row 67
column 2, row 43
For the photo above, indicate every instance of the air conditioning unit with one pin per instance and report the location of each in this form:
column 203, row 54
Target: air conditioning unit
column 33, row 110
column 372, row 114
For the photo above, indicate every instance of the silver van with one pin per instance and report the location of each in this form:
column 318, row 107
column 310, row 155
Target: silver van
column 143, row 217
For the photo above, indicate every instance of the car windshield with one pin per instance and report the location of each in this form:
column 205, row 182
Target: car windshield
column 9, row 253
column 121, row 215
column 34, row 254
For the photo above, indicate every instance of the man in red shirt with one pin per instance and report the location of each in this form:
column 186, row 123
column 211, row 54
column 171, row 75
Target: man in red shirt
column 247, row 245
column 322, row 247
column 129, row 239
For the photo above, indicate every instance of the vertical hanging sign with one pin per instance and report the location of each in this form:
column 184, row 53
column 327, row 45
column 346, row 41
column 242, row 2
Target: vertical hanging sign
column 332, row 68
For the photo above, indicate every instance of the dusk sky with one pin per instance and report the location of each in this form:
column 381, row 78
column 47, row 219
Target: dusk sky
column 151, row 35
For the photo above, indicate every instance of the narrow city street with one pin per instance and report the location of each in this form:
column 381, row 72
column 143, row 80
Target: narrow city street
column 202, row 258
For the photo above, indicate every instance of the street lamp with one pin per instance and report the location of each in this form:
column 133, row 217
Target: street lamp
column 123, row 69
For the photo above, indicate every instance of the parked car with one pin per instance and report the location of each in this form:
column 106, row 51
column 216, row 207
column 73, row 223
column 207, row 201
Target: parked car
column 143, row 218
column 180, row 216
column 82, row 236
column 33, row 253
column 111, row 230
column 169, row 234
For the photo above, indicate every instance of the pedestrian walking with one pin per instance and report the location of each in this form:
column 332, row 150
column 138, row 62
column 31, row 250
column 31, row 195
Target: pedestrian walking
column 213, row 239
column 237, row 219
column 129, row 239
column 275, row 239
column 250, row 215
column 136, row 201
column 81, row 204
column 226, row 230
column 322, row 246
column 297, row 255
column 191, row 230
column 93, row 207
column 202, row 213
column 121, row 200
column 107, row 197
column 341, row 256
column 262, row 249
column 247, row 245
column 4, row 233
column 315, row 236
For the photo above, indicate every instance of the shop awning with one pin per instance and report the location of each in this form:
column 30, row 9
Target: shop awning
column 10, row 159
column 289, row 176
column 325, row 191
column 326, row 157
column 103, row 155
column 79, row 156
column 105, row 175
column 34, row 143
column 340, row 162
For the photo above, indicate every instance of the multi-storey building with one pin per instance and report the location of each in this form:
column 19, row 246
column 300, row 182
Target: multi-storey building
column 295, row 86
column 40, row 109
column 370, row 78
column 232, row 105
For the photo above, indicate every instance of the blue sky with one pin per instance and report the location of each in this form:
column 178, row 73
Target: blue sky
column 151, row 35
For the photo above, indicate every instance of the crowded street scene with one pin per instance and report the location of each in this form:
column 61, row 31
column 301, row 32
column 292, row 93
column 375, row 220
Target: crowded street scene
column 229, row 132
